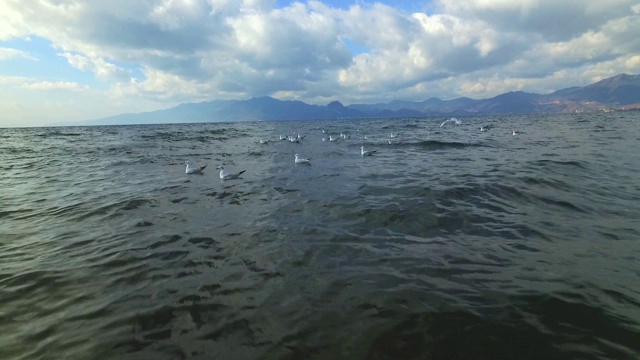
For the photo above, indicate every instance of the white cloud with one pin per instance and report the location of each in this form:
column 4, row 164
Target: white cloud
column 192, row 50
column 102, row 69
column 162, row 87
column 55, row 85
column 9, row 53
column 632, row 63
column 13, row 80
column 551, row 19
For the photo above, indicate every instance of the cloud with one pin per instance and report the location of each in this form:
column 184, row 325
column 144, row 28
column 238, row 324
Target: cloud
column 552, row 20
column 57, row 85
column 9, row 53
column 13, row 80
column 192, row 50
column 162, row 87
column 632, row 62
column 102, row 69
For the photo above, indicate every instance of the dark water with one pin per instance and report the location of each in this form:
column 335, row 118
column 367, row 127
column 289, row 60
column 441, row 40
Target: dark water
column 451, row 244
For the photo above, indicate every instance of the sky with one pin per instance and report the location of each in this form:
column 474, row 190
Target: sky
column 72, row 60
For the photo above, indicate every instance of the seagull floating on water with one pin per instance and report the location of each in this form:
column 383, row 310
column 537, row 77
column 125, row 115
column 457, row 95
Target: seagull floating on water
column 264, row 141
column 193, row 170
column 227, row 175
column 453, row 120
column 392, row 135
column 482, row 129
column 299, row 160
column 331, row 138
column 367, row 153
column 514, row 133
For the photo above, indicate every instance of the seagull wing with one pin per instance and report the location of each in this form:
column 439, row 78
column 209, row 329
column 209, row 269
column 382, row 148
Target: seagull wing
column 196, row 170
column 226, row 176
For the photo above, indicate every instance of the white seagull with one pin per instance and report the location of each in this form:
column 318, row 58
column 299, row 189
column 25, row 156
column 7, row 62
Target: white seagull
column 482, row 129
column 228, row 176
column 193, row 170
column 331, row 138
column 264, row 141
column 299, row 160
column 392, row 135
column 366, row 153
column 514, row 133
column 454, row 120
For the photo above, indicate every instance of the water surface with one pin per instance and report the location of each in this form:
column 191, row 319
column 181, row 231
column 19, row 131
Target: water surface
column 449, row 243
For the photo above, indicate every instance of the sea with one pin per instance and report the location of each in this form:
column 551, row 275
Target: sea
column 447, row 243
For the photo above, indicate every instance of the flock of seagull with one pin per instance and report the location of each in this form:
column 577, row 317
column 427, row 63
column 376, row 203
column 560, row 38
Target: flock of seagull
column 225, row 175
column 331, row 138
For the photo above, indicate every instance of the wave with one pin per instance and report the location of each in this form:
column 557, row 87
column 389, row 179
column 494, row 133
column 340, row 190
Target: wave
column 202, row 136
column 564, row 204
column 480, row 208
column 425, row 256
column 571, row 163
column 533, row 327
column 439, row 145
column 168, row 136
column 10, row 213
column 17, row 150
column 114, row 209
column 57, row 133
column 548, row 182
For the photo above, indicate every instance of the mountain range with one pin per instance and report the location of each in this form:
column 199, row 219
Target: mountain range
column 621, row 92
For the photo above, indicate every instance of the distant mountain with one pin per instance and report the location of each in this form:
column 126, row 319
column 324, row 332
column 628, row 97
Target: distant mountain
column 618, row 92
column 255, row 109
column 622, row 89
column 515, row 102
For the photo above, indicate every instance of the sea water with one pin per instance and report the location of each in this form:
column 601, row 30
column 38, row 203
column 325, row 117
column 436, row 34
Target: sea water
column 447, row 243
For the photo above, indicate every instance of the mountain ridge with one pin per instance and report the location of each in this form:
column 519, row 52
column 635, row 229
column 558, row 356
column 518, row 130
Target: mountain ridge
column 618, row 92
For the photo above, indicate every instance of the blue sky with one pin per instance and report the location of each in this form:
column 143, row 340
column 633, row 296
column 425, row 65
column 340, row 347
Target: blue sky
column 77, row 60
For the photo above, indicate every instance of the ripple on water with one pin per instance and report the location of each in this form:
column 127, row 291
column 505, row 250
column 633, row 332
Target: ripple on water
column 447, row 244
